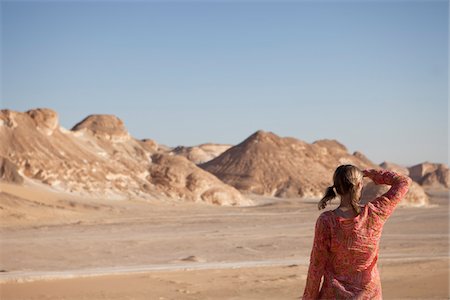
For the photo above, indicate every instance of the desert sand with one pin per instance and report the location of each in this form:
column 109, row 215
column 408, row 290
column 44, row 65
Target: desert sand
column 135, row 249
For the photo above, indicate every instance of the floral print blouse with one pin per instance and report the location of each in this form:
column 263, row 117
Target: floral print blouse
column 345, row 250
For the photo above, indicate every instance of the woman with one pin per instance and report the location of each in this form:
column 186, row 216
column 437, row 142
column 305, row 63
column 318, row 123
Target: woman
column 345, row 249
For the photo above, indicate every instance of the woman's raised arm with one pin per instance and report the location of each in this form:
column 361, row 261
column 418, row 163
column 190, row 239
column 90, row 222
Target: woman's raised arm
column 386, row 203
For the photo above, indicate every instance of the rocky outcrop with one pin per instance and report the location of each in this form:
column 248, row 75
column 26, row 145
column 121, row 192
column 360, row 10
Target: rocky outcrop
column 152, row 146
column 104, row 126
column 98, row 158
column 431, row 174
column 71, row 161
column 9, row 172
column 45, row 120
column 267, row 164
column 362, row 158
column 201, row 153
column 180, row 178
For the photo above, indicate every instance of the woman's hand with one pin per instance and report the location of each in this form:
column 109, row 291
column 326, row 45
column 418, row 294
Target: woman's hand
column 365, row 173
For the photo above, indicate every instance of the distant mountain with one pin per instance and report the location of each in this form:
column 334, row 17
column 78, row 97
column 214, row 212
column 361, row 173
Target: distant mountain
column 99, row 158
column 180, row 178
column 267, row 164
column 201, row 153
column 431, row 174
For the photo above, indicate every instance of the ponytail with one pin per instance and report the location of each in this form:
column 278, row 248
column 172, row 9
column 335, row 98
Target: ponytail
column 329, row 195
column 356, row 208
column 354, row 203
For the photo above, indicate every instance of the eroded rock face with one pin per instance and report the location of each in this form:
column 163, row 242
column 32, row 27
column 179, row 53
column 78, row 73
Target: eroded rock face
column 9, row 172
column 45, row 120
column 44, row 152
column 107, row 127
column 431, row 174
column 99, row 159
column 201, row 153
column 332, row 146
column 151, row 146
column 178, row 177
column 362, row 158
column 267, row 164
column 8, row 119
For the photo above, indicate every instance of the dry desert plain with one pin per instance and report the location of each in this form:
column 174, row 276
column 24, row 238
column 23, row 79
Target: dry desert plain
column 62, row 247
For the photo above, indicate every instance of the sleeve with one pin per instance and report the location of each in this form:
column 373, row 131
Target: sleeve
column 386, row 203
column 318, row 259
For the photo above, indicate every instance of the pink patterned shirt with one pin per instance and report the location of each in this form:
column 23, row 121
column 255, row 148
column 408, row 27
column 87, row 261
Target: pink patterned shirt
column 345, row 250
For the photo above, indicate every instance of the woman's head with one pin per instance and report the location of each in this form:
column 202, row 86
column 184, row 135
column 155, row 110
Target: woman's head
column 347, row 180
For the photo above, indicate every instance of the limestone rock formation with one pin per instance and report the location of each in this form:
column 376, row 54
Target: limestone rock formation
column 266, row 164
column 104, row 126
column 8, row 172
column 98, row 158
column 71, row 161
column 201, row 153
column 153, row 147
column 362, row 158
column 431, row 174
column 46, row 120
column 178, row 177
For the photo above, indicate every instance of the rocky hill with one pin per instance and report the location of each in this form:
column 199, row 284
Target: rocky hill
column 98, row 157
column 180, row 178
column 201, row 153
column 267, row 164
column 431, row 174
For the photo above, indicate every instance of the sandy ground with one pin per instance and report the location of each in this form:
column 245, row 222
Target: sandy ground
column 59, row 247
column 400, row 281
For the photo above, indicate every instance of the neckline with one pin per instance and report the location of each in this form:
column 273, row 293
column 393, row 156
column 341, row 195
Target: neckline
column 342, row 218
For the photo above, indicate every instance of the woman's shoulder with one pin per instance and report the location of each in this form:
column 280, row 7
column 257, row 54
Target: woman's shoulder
column 325, row 216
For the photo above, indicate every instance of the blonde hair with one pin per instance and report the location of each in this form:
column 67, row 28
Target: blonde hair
column 346, row 179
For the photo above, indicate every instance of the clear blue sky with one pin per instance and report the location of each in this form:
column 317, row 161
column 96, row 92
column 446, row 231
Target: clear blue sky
column 371, row 74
